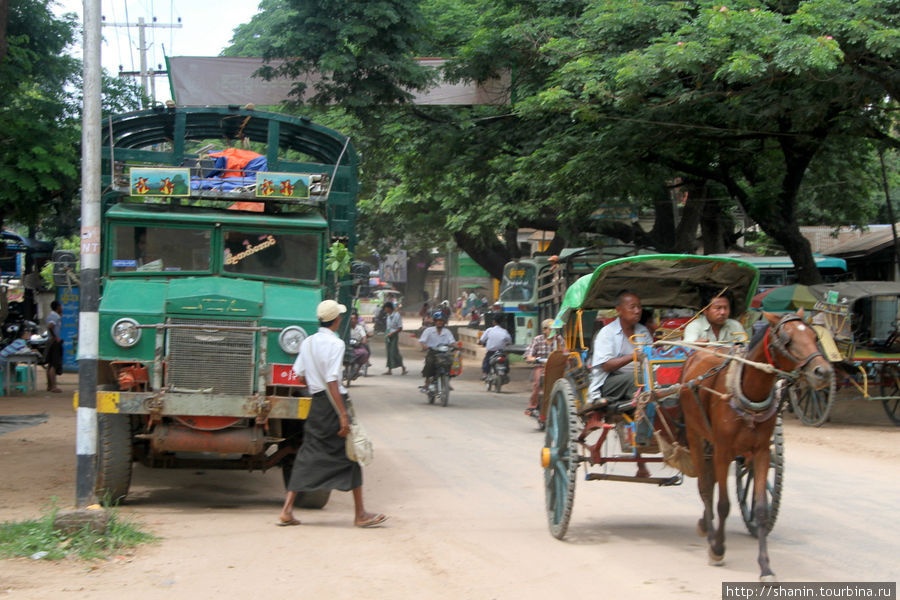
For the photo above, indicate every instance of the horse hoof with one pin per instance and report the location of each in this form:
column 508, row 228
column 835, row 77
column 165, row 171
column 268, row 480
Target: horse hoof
column 716, row 560
column 770, row 578
column 701, row 529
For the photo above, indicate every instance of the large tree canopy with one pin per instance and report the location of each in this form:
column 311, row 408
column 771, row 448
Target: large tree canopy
column 774, row 107
column 40, row 123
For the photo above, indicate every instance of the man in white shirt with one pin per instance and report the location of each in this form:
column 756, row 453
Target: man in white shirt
column 322, row 463
column 714, row 324
column 431, row 338
column 612, row 359
column 494, row 339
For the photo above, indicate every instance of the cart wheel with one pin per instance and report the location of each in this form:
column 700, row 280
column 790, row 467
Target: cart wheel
column 890, row 387
column 559, row 457
column 743, row 482
column 811, row 406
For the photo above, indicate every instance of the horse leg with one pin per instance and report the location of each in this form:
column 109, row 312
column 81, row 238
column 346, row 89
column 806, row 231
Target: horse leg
column 705, row 482
column 723, row 506
column 761, row 510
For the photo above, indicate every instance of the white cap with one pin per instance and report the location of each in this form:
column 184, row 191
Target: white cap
column 329, row 310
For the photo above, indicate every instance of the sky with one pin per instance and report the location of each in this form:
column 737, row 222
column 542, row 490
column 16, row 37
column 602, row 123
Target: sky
column 206, row 28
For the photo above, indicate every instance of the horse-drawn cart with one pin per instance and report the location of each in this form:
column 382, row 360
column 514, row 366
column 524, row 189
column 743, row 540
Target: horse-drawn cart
column 858, row 324
column 603, row 440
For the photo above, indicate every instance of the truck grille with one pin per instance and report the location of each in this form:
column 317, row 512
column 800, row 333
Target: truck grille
column 210, row 358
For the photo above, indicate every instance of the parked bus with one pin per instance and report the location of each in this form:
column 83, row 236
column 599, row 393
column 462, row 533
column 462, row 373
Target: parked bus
column 775, row 271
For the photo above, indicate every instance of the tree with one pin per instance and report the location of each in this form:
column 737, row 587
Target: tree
column 773, row 107
column 750, row 95
column 41, row 127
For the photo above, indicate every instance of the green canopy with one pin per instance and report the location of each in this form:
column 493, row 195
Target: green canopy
column 662, row 281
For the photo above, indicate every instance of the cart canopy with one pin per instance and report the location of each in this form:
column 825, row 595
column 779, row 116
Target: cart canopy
column 662, row 281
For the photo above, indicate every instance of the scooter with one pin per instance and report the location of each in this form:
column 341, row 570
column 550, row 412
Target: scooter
column 353, row 366
column 498, row 371
column 535, row 413
column 439, row 387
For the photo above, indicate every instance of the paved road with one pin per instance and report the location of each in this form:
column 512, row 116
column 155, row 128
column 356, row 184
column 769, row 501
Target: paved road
column 464, row 490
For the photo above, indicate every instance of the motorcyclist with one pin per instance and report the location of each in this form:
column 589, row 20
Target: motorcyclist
column 361, row 336
column 432, row 337
column 494, row 339
column 536, row 354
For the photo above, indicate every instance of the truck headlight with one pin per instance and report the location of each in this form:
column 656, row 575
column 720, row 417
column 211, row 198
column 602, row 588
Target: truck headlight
column 125, row 332
column 290, row 339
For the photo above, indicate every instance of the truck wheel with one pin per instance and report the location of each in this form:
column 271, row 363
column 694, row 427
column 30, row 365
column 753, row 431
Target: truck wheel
column 114, row 457
column 315, row 499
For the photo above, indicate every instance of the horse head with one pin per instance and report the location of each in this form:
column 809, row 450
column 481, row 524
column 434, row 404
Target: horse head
column 792, row 345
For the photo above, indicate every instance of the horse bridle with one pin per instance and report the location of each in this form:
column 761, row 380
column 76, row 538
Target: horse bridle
column 779, row 343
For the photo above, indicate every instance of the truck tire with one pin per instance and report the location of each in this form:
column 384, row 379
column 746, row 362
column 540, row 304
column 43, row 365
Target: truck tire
column 315, row 499
column 114, row 457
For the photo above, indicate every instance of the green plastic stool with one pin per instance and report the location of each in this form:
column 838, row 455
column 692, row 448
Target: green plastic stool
column 23, row 382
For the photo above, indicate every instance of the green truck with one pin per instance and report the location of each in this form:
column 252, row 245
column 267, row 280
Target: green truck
column 215, row 226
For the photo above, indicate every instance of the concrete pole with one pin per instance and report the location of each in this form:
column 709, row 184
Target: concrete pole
column 86, row 434
column 143, row 52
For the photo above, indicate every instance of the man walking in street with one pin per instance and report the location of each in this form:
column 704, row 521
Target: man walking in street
column 321, row 462
column 393, row 325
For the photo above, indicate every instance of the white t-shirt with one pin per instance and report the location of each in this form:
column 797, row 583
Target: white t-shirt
column 321, row 359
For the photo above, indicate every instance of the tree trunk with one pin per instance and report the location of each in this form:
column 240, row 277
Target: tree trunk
column 716, row 227
column 685, row 241
column 417, row 265
column 4, row 18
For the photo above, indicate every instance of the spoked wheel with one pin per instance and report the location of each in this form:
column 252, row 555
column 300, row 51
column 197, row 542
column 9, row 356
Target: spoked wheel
column 559, row 457
column 811, row 406
column 444, row 389
column 890, row 389
column 743, row 481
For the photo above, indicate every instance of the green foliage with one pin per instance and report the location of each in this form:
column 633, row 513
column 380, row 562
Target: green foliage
column 38, row 537
column 780, row 108
column 71, row 243
column 40, row 84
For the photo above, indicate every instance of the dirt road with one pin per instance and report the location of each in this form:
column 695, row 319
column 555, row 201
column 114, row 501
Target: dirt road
column 464, row 490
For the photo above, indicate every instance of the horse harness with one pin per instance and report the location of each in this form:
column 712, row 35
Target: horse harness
column 755, row 412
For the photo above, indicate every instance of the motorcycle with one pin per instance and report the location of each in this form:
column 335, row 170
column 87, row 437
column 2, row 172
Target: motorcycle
column 439, row 387
column 353, row 366
column 498, row 371
column 535, row 413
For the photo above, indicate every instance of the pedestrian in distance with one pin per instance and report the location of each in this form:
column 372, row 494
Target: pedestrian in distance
column 54, row 351
column 393, row 325
column 321, row 462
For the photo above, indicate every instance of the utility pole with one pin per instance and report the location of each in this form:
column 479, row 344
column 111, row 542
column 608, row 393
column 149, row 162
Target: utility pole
column 88, row 321
column 145, row 74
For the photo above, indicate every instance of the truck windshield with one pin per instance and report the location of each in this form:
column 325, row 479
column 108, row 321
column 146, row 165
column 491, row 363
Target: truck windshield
column 518, row 283
column 149, row 249
column 282, row 255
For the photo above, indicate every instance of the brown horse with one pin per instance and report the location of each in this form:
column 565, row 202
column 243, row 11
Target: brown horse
column 730, row 408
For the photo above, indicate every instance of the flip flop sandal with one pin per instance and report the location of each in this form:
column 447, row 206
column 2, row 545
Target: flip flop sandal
column 373, row 522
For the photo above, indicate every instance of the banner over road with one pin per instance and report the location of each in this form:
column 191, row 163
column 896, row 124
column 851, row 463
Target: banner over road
column 224, row 80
